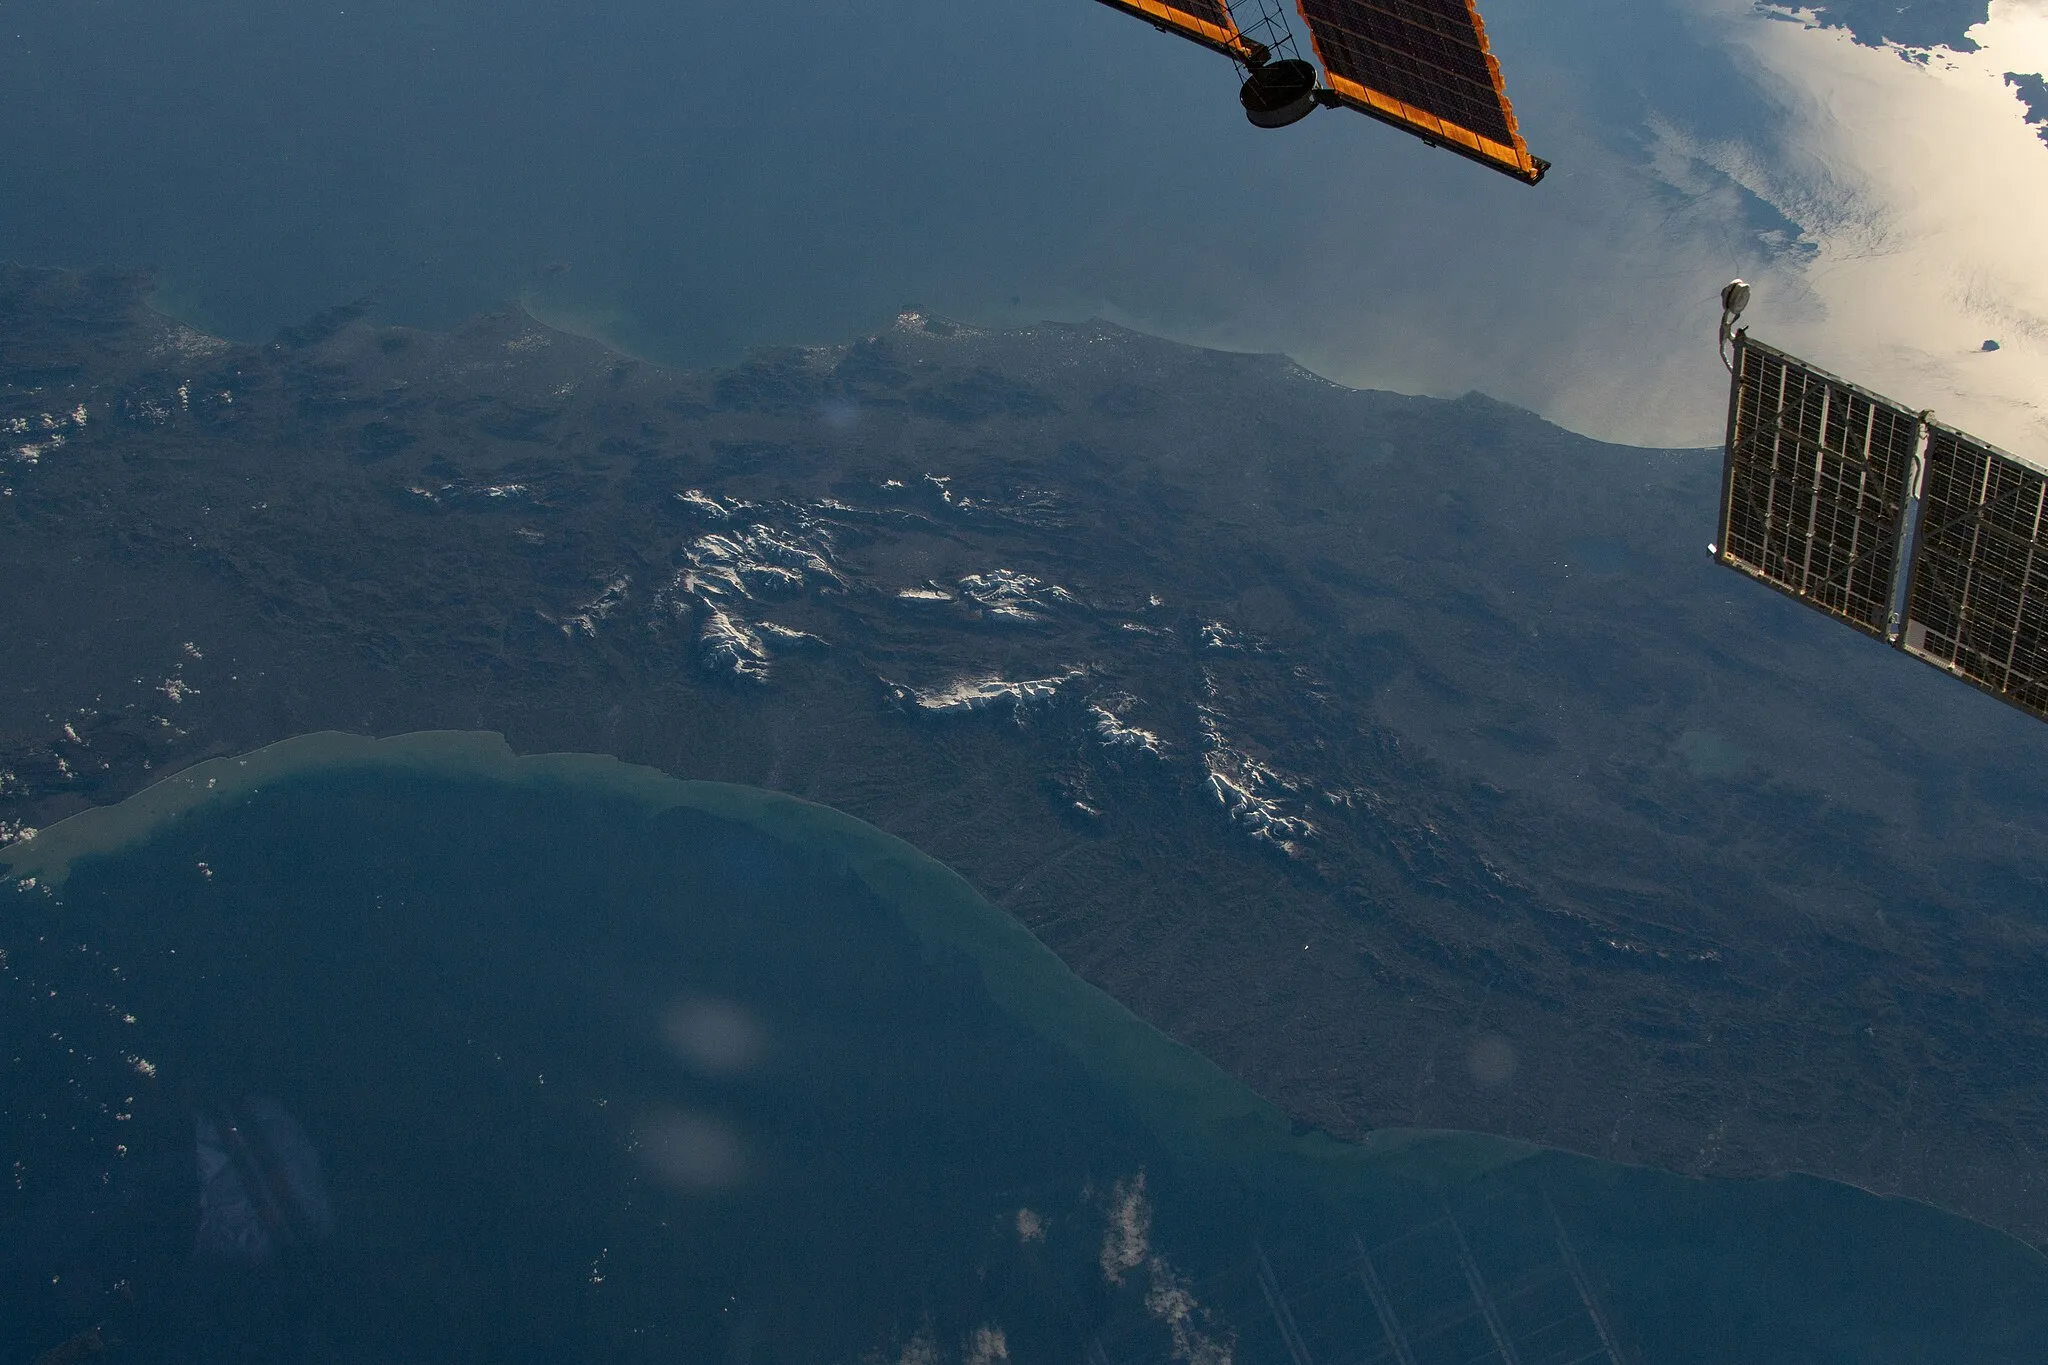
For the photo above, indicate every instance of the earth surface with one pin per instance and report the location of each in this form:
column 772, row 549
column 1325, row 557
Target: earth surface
column 1405, row 756
column 1868, row 165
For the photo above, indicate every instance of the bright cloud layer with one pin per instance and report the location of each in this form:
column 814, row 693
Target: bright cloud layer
column 1887, row 206
column 1922, row 193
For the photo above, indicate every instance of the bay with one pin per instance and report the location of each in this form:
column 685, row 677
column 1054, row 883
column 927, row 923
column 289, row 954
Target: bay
column 550, row 1058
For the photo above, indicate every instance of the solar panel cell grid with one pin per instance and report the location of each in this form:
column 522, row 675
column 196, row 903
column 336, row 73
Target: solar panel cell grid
column 1814, row 502
column 1421, row 65
column 1978, row 604
column 1430, row 54
column 1816, row 486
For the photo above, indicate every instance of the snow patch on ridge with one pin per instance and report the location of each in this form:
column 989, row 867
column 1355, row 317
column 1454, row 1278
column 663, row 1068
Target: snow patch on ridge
column 583, row 621
column 759, row 559
column 1227, row 640
column 1012, row 596
column 730, row 645
column 1115, row 734
column 723, row 569
column 50, row 428
column 980, row 694
column 702, row 503
column 1252, row 792
column 788, row 637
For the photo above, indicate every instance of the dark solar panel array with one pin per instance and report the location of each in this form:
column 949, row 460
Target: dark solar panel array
column 1211, row 12
column 1815, row 486
column 1421, row 65
column 1978, row 604
column 1823, row 481
column 1208, row 22
column 1430, row 54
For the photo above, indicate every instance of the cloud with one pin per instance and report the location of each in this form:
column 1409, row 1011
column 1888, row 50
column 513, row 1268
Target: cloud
column 986, row 1346
column 1169, row 1299
column 919, row 1350
column 1590, row 298
column 1921, row 193
column 691, row 1153
column 1030, row 1226
column 1127, row 1231
column 1887, row 209
column 1492, row 1061
column 713, row 1036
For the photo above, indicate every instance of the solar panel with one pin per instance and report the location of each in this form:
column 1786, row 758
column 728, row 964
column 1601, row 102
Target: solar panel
column 1978, row 601
column 1208, row 22
column 1814, row 492
column 1423, row 66
column 1885, row 519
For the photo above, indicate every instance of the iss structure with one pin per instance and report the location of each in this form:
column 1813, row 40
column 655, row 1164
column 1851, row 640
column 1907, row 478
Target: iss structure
column 1872, row 512
column 1878, row 515
column 1422, row 66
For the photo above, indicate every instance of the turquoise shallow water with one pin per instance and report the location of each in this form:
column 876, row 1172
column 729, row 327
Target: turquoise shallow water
column 581, row 1062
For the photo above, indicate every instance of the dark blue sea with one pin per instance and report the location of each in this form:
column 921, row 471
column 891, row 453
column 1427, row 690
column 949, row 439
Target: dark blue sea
column 416, row 1052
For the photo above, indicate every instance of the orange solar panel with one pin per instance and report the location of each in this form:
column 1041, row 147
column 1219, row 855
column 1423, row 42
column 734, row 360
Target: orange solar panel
column 1423, row 66
column 1208, row 22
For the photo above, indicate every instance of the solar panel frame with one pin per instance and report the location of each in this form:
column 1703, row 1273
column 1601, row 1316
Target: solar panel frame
column 1207, row 22
column 1977, row 597
column 1815, row 485
column 1424, row 66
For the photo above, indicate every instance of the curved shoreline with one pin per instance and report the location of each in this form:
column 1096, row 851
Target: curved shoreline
column 1189, row 1103
column 1183, row 1096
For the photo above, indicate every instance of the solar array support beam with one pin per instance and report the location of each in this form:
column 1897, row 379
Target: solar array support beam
column 1582, row 1284
column 1283, row 1316
column 1496, row 1283
column 1382, row 1304
column 1902, row 564
column 1909, row 530
column 1489, row 1311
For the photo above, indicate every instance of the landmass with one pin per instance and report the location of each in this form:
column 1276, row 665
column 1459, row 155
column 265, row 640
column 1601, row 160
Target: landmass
column 1406, row 757
column 2033, row 96
column 1918, row 24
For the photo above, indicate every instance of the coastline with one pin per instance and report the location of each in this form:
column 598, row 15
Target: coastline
column 1186, row 1099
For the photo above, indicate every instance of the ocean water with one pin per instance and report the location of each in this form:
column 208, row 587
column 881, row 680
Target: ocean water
column 687, row 180
column 690, row 180
column 412, row 1050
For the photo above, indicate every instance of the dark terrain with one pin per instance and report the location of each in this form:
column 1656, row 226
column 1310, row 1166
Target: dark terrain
column 1407, row 757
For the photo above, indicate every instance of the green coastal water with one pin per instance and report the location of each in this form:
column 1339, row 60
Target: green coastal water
column 583, row 1062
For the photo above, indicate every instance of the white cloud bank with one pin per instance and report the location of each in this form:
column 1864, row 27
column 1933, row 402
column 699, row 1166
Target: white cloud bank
column 1923, row 194
column 1891, row 211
